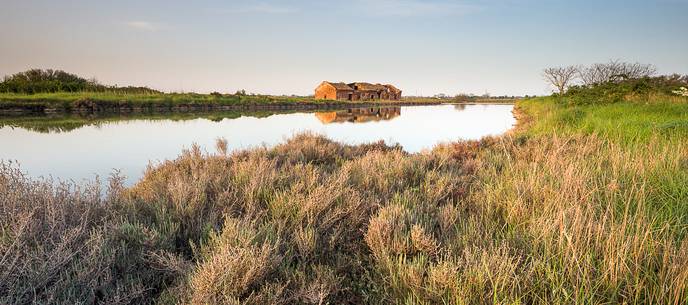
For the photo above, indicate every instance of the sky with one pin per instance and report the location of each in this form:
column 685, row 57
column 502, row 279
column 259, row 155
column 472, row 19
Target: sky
column 288, row 47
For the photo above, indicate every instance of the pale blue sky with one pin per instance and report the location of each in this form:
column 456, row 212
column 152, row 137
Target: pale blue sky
column 288, row 47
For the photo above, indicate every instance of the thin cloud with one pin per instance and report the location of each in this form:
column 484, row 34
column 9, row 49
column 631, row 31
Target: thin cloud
column 262, row 8
column 404, row 8
column 143, row 26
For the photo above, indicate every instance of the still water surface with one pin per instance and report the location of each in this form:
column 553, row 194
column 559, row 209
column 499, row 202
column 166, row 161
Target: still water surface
column 83, row 152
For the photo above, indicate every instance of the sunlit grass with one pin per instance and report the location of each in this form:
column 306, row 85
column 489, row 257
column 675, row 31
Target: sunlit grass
column 665, row 117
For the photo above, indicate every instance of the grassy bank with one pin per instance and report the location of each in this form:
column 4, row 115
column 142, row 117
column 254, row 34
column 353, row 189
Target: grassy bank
column 635, row 120
column 581, row 204
column 59, row 98
column 161, row 102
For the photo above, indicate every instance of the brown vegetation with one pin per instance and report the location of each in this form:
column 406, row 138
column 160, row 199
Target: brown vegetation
column 313, row 222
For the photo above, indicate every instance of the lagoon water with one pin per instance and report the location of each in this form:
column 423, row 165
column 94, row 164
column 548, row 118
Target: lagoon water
column 83, row 152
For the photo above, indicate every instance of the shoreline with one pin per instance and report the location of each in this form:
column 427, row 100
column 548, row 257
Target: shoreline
column 47, row 121
column 126, row 108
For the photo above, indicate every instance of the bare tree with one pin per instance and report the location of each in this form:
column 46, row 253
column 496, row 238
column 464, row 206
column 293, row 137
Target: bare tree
column 561, row 77
column 614, row 71
column 635, row 70
column 596, row 73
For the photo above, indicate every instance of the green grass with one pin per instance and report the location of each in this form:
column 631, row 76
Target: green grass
column 637, row 120
column 653, row 128
column 65, row 98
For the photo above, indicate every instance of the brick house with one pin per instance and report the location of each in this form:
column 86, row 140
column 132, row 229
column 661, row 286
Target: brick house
column 356, row 91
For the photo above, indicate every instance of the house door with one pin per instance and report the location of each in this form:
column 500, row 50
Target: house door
column 351, row 96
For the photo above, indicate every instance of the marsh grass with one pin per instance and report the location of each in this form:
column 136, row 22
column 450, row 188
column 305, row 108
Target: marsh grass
column 602, row 223
column 638, row 119
column 569, row 209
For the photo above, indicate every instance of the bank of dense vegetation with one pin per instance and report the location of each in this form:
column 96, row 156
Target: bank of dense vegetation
column 52, row 81
column 585, row 202
column 49, row 91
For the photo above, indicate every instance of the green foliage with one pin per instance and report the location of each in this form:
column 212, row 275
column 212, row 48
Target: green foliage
column 51, row 81
column 626, row 121
column 35, row 80
column 618, row 91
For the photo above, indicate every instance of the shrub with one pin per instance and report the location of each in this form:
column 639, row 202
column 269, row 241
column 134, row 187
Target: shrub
column 51, row 81
column 614, row 92
column 62, row 243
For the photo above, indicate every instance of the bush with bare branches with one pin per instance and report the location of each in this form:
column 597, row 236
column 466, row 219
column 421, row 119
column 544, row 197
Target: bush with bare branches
column 614, row 71
column 561, row 78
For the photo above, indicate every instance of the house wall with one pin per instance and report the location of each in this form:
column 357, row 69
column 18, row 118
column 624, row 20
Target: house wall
column 344, row 95
column 325, row 92
column 374, row 95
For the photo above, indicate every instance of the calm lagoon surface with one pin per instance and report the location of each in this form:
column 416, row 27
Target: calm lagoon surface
column 85, row 151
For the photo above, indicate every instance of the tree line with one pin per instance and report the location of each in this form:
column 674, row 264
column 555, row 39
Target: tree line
column 614, row 71
column 51, row 81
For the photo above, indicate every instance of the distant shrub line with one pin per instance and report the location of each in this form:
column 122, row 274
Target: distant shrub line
column 611, row 82
column 617, row 91
column 52, row 81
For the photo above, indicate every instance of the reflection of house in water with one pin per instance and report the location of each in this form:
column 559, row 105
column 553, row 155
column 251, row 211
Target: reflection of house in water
column 359, row 115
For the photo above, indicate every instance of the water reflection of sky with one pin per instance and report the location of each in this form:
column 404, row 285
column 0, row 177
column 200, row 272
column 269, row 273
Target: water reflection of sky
column 130, row 145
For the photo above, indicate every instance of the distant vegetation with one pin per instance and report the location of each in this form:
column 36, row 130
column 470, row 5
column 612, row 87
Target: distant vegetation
column 628, row 89
column 617, row 76
column 464, row 98
column 485, row 98
column 52, row 81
